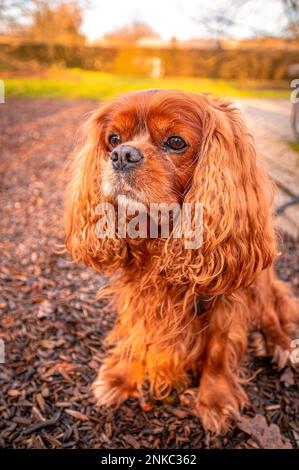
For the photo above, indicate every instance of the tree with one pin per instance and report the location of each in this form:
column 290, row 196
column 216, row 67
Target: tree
column 291, row 8
column 221, row 19
column 10, row 12
column 56, row 22
column 129, row 34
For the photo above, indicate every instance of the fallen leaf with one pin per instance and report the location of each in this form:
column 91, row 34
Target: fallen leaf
column 288, row 378
column 41, row 402
column 132, row 441
column 60, row 367
column 45, row 309
column 47, row 344
column 268, row 437
column 180, row 413
column 77, row 415
column 13, row 393
column 146, row 407
column 38, row 299
column 272, row 407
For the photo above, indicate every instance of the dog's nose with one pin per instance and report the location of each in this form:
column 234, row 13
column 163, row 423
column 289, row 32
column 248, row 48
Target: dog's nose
column 125, row 157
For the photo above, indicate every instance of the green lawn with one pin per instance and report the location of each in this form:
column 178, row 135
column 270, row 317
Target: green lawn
column 294, row 146
column 75, row 83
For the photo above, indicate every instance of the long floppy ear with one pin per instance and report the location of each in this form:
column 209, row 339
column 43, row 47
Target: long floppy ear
column 238, row 236
column 83, row 196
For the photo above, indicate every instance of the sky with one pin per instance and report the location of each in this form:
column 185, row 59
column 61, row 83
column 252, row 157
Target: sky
column 185, row 19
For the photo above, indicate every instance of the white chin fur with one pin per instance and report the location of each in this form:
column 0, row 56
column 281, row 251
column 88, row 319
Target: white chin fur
column 125, row 202
column 107, row 188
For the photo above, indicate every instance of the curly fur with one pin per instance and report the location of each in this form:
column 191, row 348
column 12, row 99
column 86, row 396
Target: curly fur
column 160, row 338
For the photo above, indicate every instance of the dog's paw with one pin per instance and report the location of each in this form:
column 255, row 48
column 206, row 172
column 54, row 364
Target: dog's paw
column 105, row 394
column 218, row 409
column 281, row 357
column 111, row 387
column 217, row 419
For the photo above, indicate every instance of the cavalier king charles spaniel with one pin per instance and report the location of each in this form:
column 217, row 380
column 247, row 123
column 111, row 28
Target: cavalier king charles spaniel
column 183, row 314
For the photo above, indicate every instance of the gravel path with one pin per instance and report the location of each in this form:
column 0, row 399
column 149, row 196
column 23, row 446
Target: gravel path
column 53, row 328
column 269, row 122
column 270, row 118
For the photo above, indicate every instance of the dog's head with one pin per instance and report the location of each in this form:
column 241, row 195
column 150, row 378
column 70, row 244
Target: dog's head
column 149, row 145
column 165, row 146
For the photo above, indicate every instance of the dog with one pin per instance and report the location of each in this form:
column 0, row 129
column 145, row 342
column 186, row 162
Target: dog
column 181, row 312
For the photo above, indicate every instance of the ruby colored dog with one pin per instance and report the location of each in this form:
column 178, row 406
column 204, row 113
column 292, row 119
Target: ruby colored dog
column 181, row 312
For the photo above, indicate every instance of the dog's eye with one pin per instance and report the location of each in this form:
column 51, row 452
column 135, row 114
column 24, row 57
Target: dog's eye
column 114, row 140
column 175, row 143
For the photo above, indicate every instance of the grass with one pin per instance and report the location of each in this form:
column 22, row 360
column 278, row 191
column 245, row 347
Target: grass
column 76, row 83
column 294, row 146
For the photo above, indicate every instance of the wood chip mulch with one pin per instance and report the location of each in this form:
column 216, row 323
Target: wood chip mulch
column 53, row 328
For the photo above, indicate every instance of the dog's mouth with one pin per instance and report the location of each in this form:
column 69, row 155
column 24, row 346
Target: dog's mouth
column 125, row 184
column 127, row 196
column 125, row 187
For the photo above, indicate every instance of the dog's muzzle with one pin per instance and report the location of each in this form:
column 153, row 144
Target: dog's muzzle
column 125, row 157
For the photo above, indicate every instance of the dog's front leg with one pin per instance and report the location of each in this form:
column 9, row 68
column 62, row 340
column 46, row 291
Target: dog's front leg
column 122, row 373
column 221, row 397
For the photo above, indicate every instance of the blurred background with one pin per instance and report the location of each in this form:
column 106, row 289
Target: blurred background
column 96, row 49
column 247, row 50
